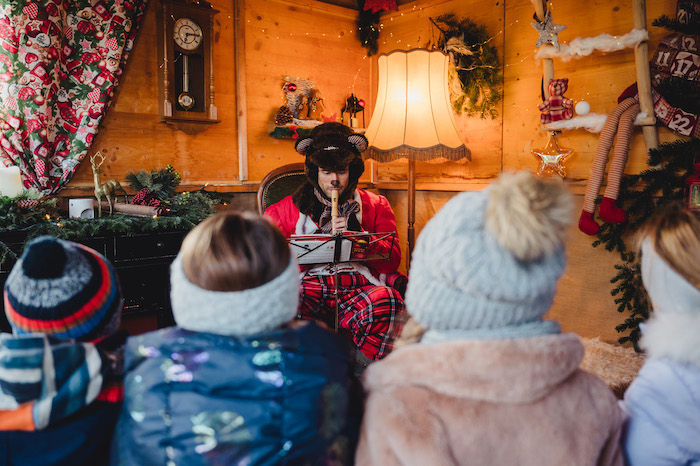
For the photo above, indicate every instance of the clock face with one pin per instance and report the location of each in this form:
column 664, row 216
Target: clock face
column 187, row 34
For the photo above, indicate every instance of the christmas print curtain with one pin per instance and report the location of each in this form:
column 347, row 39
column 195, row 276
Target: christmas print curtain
column 60, row 63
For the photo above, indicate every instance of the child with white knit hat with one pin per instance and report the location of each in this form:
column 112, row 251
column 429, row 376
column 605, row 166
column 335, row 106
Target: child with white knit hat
column 491, row 381
column 239, row 380
column 663, row 402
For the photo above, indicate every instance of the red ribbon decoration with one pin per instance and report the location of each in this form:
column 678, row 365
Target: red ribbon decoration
column 377, row 5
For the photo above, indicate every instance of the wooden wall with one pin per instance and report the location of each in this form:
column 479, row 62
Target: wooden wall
column 299, row 38
column 317, row 41
column 583, row 303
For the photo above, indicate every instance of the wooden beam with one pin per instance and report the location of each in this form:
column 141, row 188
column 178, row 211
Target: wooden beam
column 641, row 59
column 241, row 105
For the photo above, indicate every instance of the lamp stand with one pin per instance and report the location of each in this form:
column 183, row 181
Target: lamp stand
column 411, row 209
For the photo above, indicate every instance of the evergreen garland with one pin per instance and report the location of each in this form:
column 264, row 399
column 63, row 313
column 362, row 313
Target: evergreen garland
column 187, row 210
column 289, row 132
column 368, row 29
column 478, row 68
column 640, row 196
column 160, row 183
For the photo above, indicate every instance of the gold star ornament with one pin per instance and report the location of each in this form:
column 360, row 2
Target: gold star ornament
column 548, row 31
column 552, row 157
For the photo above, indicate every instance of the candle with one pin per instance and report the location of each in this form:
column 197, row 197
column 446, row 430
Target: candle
column 10, row 181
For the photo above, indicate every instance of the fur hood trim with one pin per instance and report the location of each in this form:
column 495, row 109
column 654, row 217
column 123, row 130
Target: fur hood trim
column 512, row 371
column 305, row 199
column 673, row 336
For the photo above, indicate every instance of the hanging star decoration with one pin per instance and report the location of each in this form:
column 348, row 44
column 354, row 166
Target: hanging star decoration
column 548, row 31
column 552, row 157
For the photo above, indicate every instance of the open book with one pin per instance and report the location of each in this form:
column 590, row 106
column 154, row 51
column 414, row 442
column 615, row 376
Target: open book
column 347, row 247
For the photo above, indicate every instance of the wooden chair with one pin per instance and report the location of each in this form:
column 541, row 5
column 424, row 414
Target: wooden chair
column 279, row 183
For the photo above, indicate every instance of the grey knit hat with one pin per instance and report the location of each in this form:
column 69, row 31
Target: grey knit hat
column 235, row 313
column 487, row 264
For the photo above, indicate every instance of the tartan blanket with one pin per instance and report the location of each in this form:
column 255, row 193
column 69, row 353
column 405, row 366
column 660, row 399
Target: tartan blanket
column 44, row 380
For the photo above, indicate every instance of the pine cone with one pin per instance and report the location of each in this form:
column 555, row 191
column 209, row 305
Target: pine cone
column 27, row 203
column 284, row 116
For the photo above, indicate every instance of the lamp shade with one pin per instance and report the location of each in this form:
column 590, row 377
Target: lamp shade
column 413, row 117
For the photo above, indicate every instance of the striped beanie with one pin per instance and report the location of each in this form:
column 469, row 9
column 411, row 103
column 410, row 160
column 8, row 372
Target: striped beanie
column 63, row 289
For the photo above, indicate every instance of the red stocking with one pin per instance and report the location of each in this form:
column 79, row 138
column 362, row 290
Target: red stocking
column 619, row 123
column 586, row 223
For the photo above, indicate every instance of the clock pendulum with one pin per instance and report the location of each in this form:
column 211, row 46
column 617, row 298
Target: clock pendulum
column 185, row 100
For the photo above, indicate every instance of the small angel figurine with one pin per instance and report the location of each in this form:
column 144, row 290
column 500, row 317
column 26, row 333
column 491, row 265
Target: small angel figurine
column 315, row 104
column 303, row 108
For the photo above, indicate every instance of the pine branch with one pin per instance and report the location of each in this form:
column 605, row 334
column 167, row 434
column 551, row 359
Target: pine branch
column 368, row 29
column 160, row 183
column 681, row 93
column 640, row 196
column 672, row 24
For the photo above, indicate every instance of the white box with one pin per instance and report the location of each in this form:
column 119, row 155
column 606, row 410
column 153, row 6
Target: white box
column 81, row 208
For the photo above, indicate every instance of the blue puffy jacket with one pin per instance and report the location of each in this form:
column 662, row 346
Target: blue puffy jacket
column 283, row 397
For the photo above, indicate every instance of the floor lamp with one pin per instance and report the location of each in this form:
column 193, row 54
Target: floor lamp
column 413, row 117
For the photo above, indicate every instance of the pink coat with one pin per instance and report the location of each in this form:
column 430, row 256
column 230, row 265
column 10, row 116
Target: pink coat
column 377, row 217
column 489, row 402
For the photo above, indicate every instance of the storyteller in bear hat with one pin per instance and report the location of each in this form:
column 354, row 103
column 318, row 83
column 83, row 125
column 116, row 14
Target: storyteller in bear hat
column 331, row 147
column 369, row 304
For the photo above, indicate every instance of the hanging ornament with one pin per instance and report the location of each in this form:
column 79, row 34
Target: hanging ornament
column 582, row 107
column 556, row 107
column 291, row 87
column 552, row 157
column 692, row 189
column 375, row 6
column 548, row 31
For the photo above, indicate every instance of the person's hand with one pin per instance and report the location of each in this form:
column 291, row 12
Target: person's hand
column 339, row 225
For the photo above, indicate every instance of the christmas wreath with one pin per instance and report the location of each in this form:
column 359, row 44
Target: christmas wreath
column 475, row 78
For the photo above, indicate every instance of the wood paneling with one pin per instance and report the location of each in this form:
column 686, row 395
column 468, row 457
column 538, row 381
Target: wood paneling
column 317, row 41
column 132, row 135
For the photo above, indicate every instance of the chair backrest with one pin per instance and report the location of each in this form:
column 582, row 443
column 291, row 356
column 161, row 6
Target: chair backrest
column 280, row 183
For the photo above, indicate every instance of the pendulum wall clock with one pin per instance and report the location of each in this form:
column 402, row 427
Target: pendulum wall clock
column 186, row 72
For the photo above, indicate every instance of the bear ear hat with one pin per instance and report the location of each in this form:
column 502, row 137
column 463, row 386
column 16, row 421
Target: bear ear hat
column 302, row 145
column 358, row 142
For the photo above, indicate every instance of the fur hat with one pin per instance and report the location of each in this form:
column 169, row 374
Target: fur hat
column 63, row 289
column 487, row 264
column 235, row 313
column 335, row 147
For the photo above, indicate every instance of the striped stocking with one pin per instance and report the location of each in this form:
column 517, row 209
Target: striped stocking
column 619, row 122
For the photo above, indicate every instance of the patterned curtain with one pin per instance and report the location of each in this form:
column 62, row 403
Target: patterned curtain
column 60, row 63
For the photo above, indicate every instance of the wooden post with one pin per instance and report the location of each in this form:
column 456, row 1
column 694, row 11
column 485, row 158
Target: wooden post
column 411, row 209
column 641, row 58
column 241, row 106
